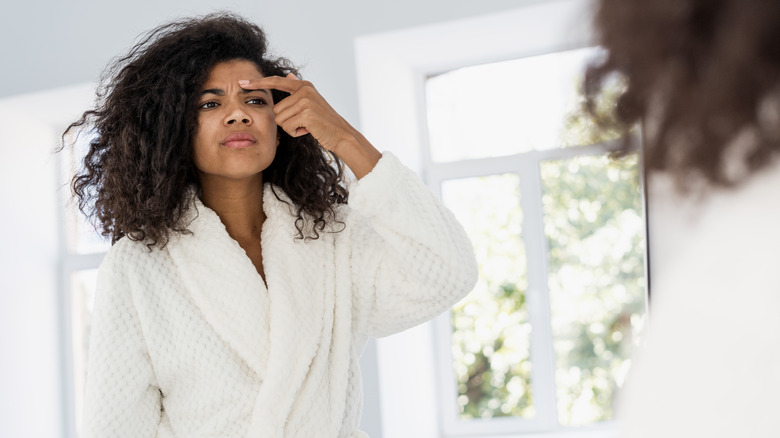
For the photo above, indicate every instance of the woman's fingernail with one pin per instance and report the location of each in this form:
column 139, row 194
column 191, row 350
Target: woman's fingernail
column 243, row 82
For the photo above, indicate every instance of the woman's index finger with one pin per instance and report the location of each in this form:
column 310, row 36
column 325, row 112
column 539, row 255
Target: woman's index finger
column 287, row 84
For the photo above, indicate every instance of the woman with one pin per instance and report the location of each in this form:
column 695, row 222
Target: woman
column 241, row 287
column 704, row 78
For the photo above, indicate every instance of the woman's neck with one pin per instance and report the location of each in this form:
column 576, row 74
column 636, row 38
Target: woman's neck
column 239, row 205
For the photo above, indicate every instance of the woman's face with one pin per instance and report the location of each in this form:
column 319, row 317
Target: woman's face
column 236, row 137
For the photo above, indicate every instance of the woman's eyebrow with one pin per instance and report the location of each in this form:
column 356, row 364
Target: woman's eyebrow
column 217, row 91
column 261, row 90
column 221, row 92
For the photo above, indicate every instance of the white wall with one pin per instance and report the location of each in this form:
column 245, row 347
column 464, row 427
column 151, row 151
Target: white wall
column 49, row 44
column 29, row 345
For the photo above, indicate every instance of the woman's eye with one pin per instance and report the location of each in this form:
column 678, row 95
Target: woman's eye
column 208, row 105
column 257, row 101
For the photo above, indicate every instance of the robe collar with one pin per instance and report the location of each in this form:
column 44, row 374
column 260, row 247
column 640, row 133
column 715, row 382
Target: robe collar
column 278, row 330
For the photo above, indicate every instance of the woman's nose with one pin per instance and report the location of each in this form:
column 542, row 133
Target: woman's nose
column 238, row 115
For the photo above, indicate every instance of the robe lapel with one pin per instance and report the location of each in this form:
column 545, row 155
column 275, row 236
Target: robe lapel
column 224, row 284
column 295, row 272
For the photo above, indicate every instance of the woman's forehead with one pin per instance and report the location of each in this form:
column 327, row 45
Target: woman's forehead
column 233, row 70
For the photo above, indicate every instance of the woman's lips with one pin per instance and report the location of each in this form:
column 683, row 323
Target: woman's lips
column 238, row 140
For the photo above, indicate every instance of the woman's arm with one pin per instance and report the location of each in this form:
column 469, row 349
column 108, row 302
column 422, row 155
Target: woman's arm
column 411, row 259
column 121, row 397
column 305, row 111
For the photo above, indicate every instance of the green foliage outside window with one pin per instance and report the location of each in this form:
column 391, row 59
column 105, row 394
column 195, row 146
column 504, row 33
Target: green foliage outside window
column 491, row 336
column 595, row 237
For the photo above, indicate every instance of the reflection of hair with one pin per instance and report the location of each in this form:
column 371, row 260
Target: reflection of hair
column 704, row 76
column 139, row 169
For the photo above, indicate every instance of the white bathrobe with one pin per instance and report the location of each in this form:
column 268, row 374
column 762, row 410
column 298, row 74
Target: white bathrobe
column 188, row 341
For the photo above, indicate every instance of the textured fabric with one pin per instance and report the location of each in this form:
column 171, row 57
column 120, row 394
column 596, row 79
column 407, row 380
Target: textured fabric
column 710, row 364
column 188, row 341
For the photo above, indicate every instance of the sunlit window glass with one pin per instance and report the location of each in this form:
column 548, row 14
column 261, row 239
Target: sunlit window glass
column 491, row 332
column 595, row 235
column 520, row 110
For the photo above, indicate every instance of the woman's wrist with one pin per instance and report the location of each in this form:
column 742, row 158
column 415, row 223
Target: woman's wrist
column 357, row 153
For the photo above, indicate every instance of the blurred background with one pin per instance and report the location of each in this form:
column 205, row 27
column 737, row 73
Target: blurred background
column 480, row 98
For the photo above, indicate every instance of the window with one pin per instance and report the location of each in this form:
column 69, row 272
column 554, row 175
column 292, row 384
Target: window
column 541, row 345
column 81, row 254
column 545, row 338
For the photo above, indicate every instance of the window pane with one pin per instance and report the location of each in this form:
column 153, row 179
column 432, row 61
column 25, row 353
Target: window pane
column 595, row 233
column 80, row 235
column 531, row 104
column 491, row 332
column 82, row 288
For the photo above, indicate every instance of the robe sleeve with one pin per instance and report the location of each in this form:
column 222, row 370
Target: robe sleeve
column 121, row 397
column 411, row 259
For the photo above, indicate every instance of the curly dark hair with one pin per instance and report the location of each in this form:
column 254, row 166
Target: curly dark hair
column 139, row 168
column 702, row 75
